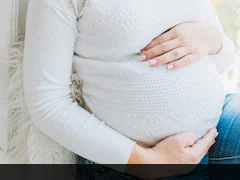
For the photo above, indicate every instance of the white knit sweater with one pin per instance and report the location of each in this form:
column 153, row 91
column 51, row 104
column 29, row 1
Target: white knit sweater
column 126, row 101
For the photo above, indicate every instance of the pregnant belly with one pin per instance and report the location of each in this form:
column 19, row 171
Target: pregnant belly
column 148, row 104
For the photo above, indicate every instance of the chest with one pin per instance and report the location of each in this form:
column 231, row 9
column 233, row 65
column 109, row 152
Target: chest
column 129, row 25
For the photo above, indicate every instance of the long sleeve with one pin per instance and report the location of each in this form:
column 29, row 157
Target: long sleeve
column 49, row 47
column 225, row 58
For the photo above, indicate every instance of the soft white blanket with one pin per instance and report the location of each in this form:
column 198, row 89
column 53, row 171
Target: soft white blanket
column 27, row 145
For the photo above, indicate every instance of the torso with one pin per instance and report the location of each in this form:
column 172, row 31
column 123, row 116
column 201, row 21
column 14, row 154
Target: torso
column 144, row 103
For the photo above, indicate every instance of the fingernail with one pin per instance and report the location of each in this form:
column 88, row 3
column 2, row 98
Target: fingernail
column 170, row 66
column 143, row 51
column 217, row 133
column 143, row 57
column 153, row 62
column 214, row 130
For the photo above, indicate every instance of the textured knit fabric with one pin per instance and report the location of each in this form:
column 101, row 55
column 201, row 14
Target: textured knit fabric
column 126, row 101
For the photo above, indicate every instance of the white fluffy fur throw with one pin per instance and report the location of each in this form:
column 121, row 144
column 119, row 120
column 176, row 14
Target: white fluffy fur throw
column 27, row 144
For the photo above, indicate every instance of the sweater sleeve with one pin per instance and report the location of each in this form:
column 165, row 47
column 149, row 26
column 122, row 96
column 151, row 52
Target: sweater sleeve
column 49, row 47
column 225, row 58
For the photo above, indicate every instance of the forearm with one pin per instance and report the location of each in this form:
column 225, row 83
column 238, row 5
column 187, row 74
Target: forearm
column 139, row 155
column 47, row 66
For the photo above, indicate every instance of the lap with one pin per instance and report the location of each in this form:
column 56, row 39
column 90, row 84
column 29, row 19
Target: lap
column 225, row 151
column 91, row 171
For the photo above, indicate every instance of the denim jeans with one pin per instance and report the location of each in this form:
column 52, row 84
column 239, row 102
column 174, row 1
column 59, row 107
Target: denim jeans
column 226, row 150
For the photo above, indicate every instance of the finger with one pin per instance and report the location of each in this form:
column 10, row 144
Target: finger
column 202, row 146
column 161, row 49
column 167, row 36
column 210, row 136
column 169, row 57
column 188, row 139
column 186, row 60
column 183, row 140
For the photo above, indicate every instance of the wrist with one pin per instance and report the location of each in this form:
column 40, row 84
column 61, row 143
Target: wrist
column 139, row 155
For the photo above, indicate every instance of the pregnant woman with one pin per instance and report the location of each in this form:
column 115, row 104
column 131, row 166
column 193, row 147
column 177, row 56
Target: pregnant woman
column 151, row 81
